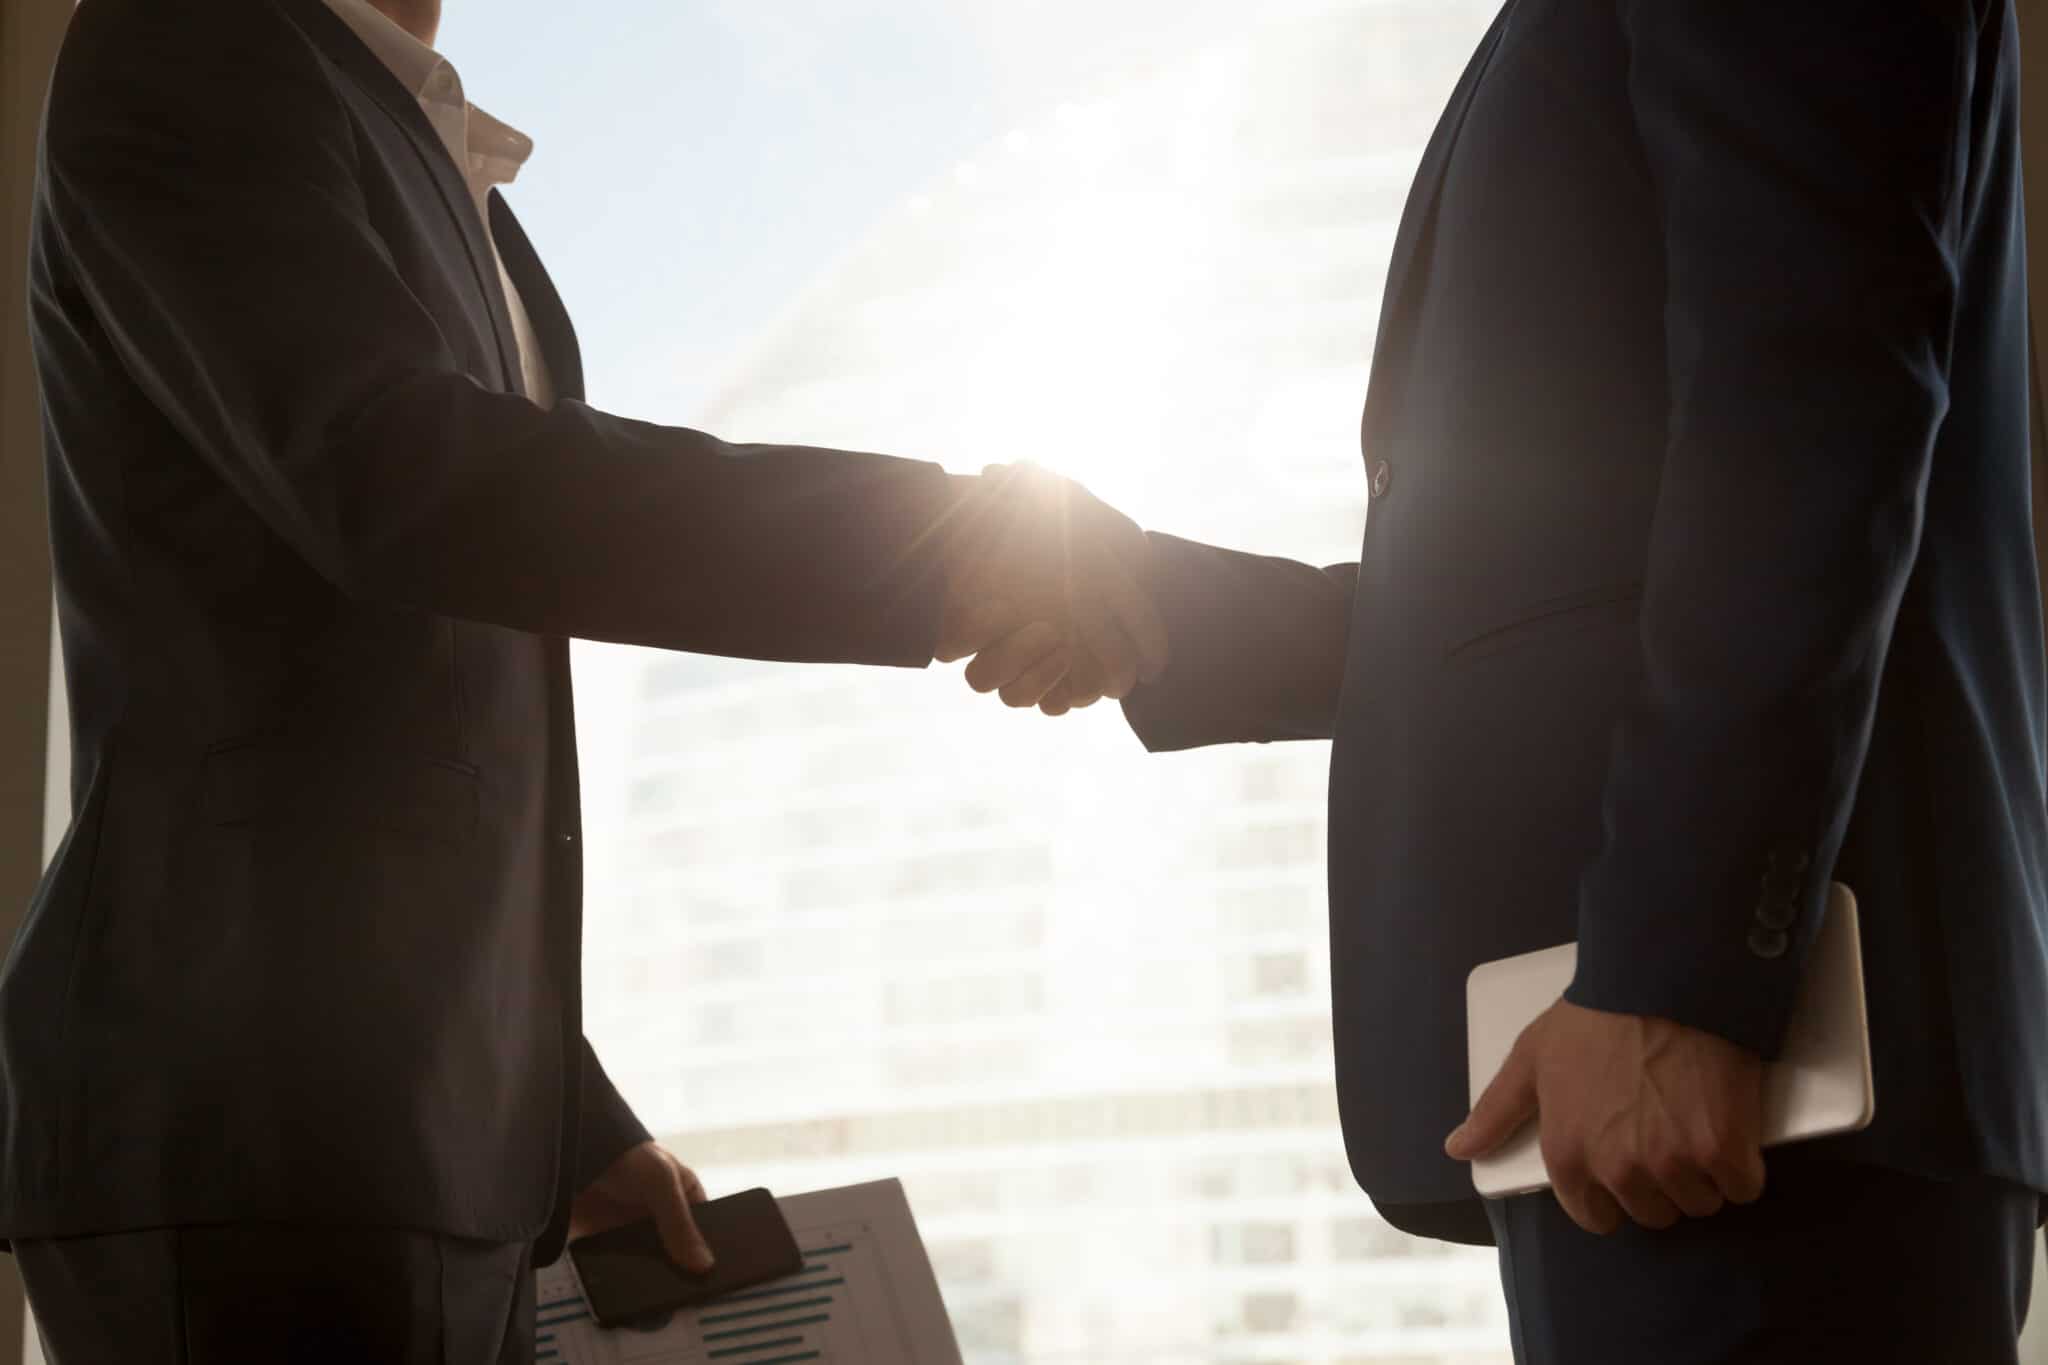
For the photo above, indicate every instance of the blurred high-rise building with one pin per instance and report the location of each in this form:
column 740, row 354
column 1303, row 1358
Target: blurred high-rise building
column 847, row 923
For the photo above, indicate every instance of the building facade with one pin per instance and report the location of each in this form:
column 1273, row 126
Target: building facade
column 847, row 923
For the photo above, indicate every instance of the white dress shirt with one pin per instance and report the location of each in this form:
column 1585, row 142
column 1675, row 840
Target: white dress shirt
column 486, row 151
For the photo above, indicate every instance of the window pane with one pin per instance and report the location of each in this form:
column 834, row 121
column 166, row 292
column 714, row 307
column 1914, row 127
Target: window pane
column 847, row 923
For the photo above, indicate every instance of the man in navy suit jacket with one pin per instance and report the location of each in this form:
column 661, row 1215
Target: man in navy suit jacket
column 1698, row 571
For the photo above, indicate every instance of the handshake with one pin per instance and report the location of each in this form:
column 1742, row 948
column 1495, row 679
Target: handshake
column 1045, row 588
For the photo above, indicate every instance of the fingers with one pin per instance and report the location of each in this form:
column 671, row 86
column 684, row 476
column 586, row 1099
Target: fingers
column 1108, row 665
column 1654, row 1195
column 1642, row 1198
column 1035, row 666
column 1591, row 1207
column 1007, row 660
column 1738, row 1172
column 1060, row 698
column 969, row 627
column 1654, row 1190
column 680, row 1237
column 1068, row 694
column 1504, row 1106
column 1693, row 1191
column 1029, row 686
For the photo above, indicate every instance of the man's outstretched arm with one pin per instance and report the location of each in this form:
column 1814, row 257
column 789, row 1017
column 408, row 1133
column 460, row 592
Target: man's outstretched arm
column 1258, row 647
column 201, row 184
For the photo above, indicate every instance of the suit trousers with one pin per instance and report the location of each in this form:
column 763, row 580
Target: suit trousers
column 266, row 1292
column 1837, row 1261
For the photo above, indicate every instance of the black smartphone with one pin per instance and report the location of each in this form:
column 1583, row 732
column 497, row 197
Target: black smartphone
column 628, row 1278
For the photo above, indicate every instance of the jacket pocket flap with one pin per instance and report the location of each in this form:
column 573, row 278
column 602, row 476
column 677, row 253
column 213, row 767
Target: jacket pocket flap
column 254, row 783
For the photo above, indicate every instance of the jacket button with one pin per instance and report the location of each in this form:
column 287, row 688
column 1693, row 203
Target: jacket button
column 1778, row 886
column 1776, row 914
column 1768, row 943
column 1382, row 478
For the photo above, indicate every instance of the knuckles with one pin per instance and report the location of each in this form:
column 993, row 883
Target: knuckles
column 1672, row 1166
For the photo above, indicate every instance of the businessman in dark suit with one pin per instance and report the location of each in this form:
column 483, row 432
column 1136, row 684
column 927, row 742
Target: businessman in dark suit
column 1698, row 571
column 290, row 1038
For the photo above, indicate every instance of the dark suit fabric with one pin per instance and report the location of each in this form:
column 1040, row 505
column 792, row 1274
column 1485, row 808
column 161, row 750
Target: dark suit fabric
column 1839, row 1261
column 1698, row 571
column 309, row 950
column 262, row 1293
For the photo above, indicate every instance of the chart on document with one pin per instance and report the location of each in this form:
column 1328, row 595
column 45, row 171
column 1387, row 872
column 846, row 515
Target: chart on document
column 866, row 1294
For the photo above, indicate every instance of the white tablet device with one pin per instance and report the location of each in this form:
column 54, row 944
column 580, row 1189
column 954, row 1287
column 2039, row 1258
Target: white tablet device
column 1820, row 1085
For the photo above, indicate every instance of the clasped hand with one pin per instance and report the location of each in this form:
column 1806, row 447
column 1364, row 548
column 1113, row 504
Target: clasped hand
column 1641, row 1118
column 1045, row 589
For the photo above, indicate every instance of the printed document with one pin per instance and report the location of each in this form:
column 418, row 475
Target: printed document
column 866, row 1294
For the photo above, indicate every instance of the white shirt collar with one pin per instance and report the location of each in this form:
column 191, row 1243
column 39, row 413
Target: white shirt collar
column 485, row 152
column 492, row 151
column 412, row 61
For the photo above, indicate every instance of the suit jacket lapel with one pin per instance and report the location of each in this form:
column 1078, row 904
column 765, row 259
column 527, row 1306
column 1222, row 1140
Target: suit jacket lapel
column 347, row 52
column 1404, row 269
column 544, row 309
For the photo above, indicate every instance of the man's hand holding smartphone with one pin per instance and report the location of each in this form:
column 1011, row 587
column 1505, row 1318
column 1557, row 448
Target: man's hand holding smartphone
column 647, row 1182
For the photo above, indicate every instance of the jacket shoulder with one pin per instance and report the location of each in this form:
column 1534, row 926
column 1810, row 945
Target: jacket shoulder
column 246, row 66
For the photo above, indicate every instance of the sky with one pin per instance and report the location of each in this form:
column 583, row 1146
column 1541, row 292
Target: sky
column 733, row 149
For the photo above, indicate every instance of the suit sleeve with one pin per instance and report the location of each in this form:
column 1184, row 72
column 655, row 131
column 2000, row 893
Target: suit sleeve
column 1808, row 164
column 202, row 180
column 607, row 1127
column 1258, row 648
